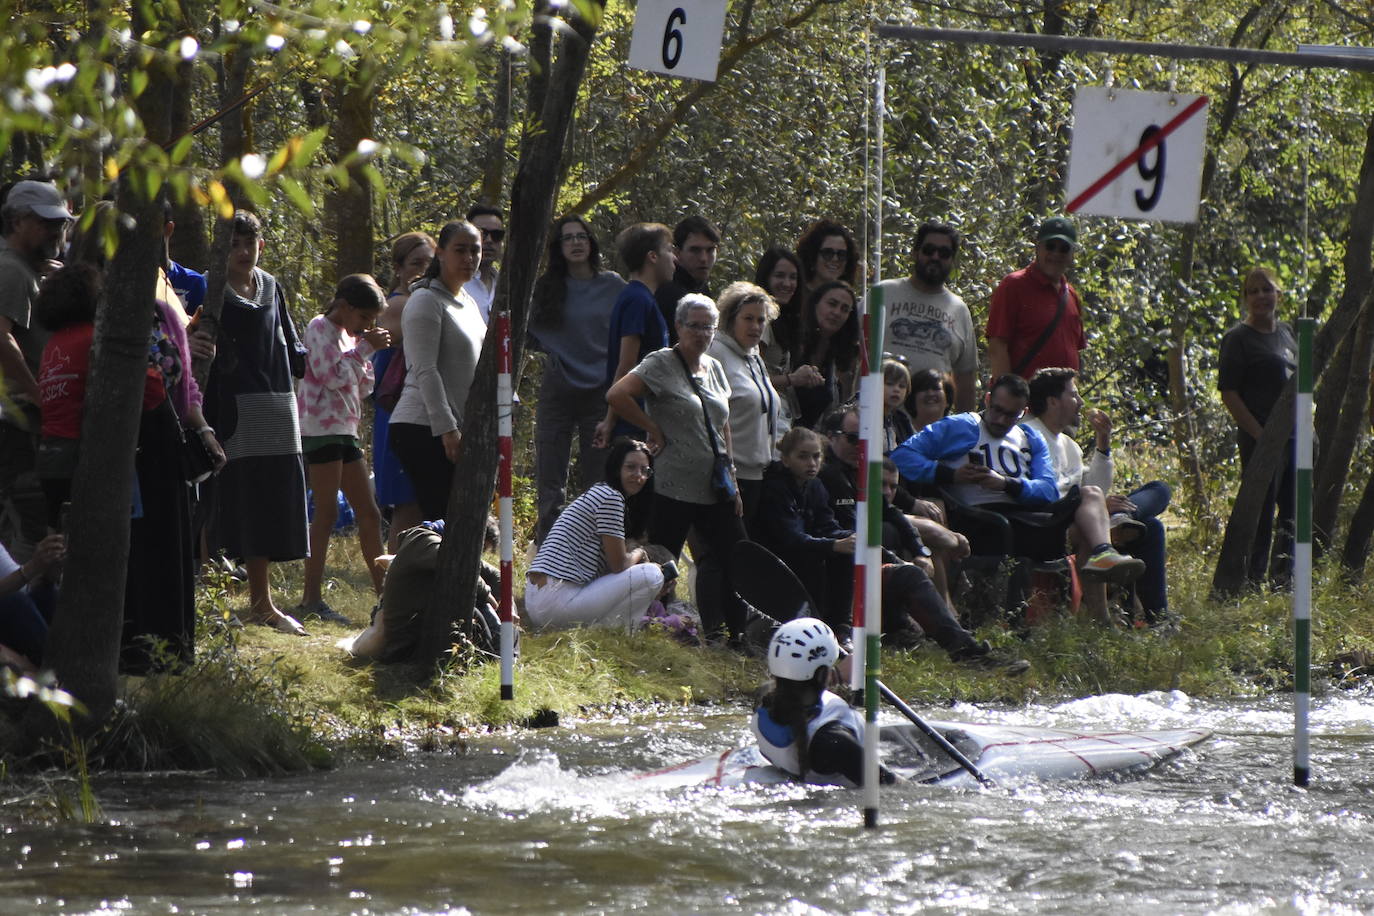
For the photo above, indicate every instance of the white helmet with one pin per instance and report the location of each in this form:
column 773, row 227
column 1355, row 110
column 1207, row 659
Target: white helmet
column 800, row 647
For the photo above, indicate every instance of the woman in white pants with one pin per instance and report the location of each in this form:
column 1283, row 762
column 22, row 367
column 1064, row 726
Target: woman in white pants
column 583, row 575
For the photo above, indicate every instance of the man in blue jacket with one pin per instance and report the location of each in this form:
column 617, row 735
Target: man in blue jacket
column 992, row 461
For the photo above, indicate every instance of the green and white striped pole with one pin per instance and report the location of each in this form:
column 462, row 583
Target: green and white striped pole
column 1302, row 558
column 868, row 548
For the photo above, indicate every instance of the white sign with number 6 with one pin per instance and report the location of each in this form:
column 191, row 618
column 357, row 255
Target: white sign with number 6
column 1136, row 155
column 678, row 37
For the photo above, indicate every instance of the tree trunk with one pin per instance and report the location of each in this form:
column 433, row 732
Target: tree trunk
column 1343, row 359
column 532, row 198
column 351, row 207
column 1356, row 549
column 233, row 77
column 1338, row 445
column 84, row 642
column 190, row 244
column 1265, row 464
column 494, row 164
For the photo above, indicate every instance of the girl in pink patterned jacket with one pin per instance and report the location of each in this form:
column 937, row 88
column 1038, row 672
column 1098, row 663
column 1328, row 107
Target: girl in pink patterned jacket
column 338, row 375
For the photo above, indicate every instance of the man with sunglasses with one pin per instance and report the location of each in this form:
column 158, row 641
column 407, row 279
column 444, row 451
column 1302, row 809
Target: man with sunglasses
column 909, row 594
column 926, row 323
column 35, row 222
column 482, row 286
column 1035, row 319
column 993, row 461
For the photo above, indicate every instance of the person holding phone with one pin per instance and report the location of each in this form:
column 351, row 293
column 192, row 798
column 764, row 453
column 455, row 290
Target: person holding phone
column 993, row 461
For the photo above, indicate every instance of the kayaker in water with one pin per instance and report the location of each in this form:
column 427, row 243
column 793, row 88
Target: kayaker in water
column 802, row 727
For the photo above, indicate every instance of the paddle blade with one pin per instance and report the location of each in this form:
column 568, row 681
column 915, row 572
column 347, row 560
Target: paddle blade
column 767, row 583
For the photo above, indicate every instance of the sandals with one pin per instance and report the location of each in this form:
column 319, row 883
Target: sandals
column 276, row 620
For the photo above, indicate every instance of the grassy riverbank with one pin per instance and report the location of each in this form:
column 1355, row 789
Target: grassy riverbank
column 260, row 701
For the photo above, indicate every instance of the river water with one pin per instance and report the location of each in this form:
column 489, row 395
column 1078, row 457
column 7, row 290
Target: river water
column 546, row 822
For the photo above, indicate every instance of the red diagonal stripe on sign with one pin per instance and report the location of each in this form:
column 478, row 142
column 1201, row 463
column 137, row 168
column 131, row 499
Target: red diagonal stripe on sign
column 1156, row 139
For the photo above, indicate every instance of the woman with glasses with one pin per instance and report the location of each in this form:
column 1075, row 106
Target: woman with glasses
column 755, row 406
column 583, row 574
column 570, row 322
column 829, row 341
column 686, row 410
column 828, row 253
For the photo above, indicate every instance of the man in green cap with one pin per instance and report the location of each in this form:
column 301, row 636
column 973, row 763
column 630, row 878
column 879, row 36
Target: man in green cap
column 1035, row 319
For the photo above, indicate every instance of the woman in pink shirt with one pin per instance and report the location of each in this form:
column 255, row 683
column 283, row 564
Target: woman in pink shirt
column 338, row 374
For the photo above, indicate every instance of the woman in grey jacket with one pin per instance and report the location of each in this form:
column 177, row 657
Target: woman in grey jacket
column 757, row 414
column 443, row 333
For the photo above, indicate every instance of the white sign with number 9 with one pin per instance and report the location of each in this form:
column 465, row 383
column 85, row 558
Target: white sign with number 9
column 678, row 37
column 1108, row 178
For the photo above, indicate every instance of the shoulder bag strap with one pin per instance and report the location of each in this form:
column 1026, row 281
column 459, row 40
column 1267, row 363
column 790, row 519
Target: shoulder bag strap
column 706, row 417
column 1047, row 333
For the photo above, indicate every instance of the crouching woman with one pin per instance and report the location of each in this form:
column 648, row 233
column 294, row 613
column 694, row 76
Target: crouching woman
column 800, row 726
column 583, row 573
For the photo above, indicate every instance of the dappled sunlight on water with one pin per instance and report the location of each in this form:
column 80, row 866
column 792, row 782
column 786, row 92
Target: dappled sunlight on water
column 549, row 821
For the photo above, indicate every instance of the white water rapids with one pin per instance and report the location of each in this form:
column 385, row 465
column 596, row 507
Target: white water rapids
column 548, row 822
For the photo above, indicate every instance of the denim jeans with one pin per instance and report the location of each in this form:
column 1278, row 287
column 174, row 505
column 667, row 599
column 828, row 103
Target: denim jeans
column 562, row 411
column 1151, row 500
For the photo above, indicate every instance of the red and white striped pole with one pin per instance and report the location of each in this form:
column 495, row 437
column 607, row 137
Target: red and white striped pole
column 504, row 411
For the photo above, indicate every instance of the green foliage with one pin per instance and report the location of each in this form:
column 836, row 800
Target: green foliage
column 73, row 750
column 227, row 712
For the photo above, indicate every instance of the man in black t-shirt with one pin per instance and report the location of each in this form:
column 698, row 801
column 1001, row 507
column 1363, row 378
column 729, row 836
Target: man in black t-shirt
column 695, row 244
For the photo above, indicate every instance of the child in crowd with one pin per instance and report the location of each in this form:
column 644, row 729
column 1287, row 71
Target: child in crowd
column 897, row 425
column 795, row 522
column 258, row 499
column 802, row 727
column 338, row 374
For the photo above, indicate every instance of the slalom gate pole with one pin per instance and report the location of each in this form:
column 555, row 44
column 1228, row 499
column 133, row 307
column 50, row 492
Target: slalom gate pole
column 868, row 551
column 503, row 490
column 1302, row 559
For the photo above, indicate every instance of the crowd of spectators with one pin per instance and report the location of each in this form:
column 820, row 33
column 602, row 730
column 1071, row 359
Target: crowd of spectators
column 701, row 419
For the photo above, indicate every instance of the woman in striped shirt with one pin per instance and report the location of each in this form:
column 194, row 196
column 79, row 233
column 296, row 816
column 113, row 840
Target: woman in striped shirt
column 583, row 574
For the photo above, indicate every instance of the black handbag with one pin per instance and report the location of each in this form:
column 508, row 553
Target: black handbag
column 722, row 480
column 197, row 464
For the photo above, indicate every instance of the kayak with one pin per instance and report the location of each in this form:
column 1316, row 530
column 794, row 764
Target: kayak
column 1005, row 753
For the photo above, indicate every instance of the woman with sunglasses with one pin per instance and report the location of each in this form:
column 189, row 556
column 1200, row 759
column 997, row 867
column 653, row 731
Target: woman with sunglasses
column 828, row 253
column 570, row 321
column 583, row 573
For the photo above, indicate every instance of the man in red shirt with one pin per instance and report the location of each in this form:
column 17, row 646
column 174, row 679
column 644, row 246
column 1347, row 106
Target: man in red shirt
column 1035, row 319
